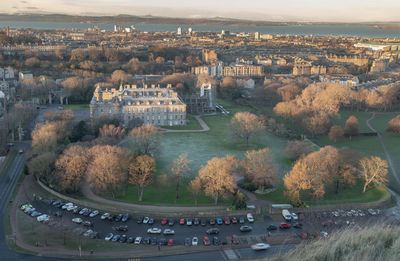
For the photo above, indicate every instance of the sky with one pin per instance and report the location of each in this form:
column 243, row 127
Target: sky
column 269, row 10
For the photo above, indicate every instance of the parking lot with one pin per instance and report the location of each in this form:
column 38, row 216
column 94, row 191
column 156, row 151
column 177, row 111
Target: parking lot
column 313, row 224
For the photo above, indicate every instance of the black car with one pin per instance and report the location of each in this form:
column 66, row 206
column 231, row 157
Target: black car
column 246, row 228
column 87, row 223
column 212, row 221
column 130, row 240
column 111, row 217
column 139, row 220
column 151, row 221
column 212, row 231
column 118, row 217
column 297, row 225
column 163, row 242
column 153, row 241
column 87, row 212
column 272, row 227
column 203, row 222
column 123, row 239
column 188, row 241
column 241, row 220
column 125, row 217
column 56, row 202
column 121, row 228
column 58, row 214
column 216, row 241
column 171, row 222
column 146, row 241
column 76, row 210
column 196, row 222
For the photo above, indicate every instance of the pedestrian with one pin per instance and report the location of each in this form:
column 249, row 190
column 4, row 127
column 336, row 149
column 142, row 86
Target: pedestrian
column 159, row 247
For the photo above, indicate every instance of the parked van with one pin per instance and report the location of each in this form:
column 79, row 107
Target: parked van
column 286, row 215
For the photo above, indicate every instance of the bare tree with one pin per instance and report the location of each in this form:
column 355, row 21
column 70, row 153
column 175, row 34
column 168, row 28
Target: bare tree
column 244, row 125
column 296, row 149
column 141, row 173
column 146, row 138
column 217, row 178
column 119, row 76
column 179, row 167
column 374, row 170
column 195, row 188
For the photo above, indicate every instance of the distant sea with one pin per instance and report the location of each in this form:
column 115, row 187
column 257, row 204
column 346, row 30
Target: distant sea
column 320, row 30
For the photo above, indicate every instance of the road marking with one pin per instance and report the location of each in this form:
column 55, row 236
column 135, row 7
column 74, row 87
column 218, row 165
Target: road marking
column 231, row 254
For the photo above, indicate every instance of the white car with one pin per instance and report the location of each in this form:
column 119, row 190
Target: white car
column 154, row 230
column 168, row 231
column 371, row 211
column 325, row 234
column 43, row 218
column 104, row 216
column 294, row 216
column 77, row 220
column 108, row 237
column 195, row 241
column 88, row 233
column 94, row 213
column 260, row 246
column 250, row 217
column 67, row 205
column 146, row 220
column 138, row 240
column 71, row 207
column 83, row 210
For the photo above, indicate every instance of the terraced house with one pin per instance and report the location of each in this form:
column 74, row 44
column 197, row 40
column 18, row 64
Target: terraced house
column 152, row 104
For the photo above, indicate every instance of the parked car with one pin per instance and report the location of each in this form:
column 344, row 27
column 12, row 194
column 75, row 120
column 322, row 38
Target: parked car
column 182, row 221
column 94, row 213
column 72, row 208
column 241, row 220
column 164, row 221
column 168, row 231
column 87, row 224
column 77, row 220
column 171, row 222
column 189, row 222
column 294, row 217
column 195, row 241
column 284, row 225
column 286, row 215
column 89, row 233
column 203, row 222
column 234, row 220
column 188, row 241
column 216, row 241
column 171, row 242
column 58, row 214
column 246, row 228
column 130, row 240
column 105, row 216
column 109, row 237
column 43, row 218
column 123, row 239
column 272, row 227
column 219, row 221
column 154, row 230
column 121, row 228
column 115, row 238
column 163, row 242
column 146, row 220
column 125, row 217
column 212, row 221
column 212, row 231
column 146, row 241
column 151, row 221
column 250, row 217
column 87, row 212
column 67, row 205
column 35, row 214
column 25, row 206
column 83, row 210
column 153, row 241
column 138, row 240
column 260, row 246
column 139, row 220
column 227, row 221
column 235, row 240
column 206, row 241
column 196, row 222
column 76, row 210
column 118, row 217
column 298, row 225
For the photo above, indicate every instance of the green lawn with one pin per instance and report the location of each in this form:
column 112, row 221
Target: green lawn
column 191, row 124
column 77, row 107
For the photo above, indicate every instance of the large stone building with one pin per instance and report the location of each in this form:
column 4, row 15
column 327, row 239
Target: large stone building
column 201, row 102
column 243, row 70
column 152, row 104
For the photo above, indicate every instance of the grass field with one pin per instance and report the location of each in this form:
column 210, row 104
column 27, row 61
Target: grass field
column 77, row 107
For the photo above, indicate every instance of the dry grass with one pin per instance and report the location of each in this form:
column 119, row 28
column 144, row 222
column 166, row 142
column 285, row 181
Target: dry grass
column 375, row 243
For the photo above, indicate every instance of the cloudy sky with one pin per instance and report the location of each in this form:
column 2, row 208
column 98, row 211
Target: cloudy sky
column 279, row 10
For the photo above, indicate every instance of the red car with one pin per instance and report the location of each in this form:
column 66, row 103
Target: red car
column 284, row 225
column 164, row 221
column 206, row 241
column 227, row 221
column 234, row 220
column 171, row 242
column 235, row 240
column 182, row 221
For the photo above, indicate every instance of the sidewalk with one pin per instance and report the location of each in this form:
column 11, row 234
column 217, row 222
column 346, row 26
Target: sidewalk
column 204, row 126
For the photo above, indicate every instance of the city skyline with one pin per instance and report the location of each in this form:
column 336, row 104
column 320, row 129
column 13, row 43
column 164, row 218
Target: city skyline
column 285, row 10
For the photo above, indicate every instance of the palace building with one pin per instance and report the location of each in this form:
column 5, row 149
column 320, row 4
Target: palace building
column 152, row 104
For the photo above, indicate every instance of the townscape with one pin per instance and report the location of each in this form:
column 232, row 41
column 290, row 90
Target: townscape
column 194, row 144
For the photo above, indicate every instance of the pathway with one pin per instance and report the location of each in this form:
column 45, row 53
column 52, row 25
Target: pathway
column 88, row 193
column 204, row 126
